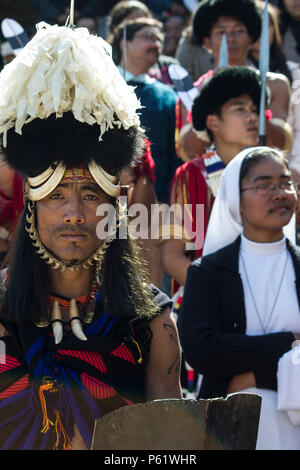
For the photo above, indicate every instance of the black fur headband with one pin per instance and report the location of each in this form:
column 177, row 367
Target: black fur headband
column 226, row 84
column 44, row 141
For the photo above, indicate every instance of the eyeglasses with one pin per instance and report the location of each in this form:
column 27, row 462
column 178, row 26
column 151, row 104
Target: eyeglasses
column 150, row 37
column 264, row 189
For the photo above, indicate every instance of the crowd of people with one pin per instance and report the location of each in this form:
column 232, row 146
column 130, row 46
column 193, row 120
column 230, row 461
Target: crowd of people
column 205, row 305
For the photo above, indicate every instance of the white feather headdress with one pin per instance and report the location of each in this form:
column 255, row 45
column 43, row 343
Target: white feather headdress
column 64, row 69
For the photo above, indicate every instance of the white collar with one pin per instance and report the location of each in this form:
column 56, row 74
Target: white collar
column 265, row 249
column 142, row 77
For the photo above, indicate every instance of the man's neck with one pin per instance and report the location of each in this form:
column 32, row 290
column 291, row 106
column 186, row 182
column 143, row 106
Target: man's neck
column 71, row 284
column 135, row 68
column 227, row 151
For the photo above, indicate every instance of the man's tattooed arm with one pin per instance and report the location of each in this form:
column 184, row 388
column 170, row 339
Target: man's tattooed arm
column 173, row 338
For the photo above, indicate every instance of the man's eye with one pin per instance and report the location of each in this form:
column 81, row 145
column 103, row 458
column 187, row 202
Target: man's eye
column 56, row 196
column 90, row 197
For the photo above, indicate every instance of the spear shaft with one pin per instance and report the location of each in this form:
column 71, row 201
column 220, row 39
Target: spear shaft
column 264, row 65
column 72, row 7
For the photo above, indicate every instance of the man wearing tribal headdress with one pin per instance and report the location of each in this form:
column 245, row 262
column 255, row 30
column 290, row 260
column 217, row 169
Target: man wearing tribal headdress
column 82, row 333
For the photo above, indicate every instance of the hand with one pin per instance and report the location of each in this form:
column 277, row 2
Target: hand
column 241, row 381
column 189, row 144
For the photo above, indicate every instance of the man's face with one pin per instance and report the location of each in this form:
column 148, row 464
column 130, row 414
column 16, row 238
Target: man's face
column 173, row 30
column 238, row 40
column 293, row 8
column 237, row 123
column 146, row 46
column 66, row 220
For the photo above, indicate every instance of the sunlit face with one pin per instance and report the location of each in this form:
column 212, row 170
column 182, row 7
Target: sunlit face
column 237, row 123
column 66, row 220
column 146, row 46
column 293, row 8
column 267, row 213
column 238, row 40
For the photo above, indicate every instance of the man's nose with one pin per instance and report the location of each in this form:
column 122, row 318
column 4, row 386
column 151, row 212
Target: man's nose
column 252, row 116
column 73, row 212
column 230, row 36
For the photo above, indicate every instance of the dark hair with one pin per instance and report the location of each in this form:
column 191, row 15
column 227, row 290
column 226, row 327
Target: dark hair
column 224, row 85
column 256, row 156
column 27, row 287
column 209, row 11
column 122, row 281
column 132, row 27
column 122, row 10
column 287, row 21
column 277, row 54
column 285, row 17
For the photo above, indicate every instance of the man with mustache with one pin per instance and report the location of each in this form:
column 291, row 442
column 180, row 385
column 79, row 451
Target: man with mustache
column 81, row 328
column 136, row 46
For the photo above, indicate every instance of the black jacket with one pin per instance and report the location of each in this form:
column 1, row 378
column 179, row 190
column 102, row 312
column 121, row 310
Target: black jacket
column 212, row 325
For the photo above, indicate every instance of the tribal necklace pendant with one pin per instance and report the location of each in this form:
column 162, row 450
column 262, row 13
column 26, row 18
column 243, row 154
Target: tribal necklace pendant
column 77, row 315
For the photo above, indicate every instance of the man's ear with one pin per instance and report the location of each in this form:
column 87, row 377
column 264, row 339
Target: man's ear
column 207, row 43
column 212, row 123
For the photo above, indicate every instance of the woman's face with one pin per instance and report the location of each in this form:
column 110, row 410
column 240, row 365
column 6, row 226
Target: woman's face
column 264, row 215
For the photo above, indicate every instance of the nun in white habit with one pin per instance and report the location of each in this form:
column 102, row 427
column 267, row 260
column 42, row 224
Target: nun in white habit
column 235, row 326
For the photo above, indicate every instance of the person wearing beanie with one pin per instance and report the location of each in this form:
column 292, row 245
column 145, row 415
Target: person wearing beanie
column 81, row 326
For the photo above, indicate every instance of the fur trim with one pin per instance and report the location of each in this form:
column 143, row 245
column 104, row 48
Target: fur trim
column 224, row 85
column 208, row 12
column 43, row 141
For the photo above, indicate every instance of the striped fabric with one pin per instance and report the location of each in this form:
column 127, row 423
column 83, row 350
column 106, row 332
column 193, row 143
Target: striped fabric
column 97, row 389
column 8, row 362
column 90, row 357
column 56, row 386
column 17, row 387
column 124, row 353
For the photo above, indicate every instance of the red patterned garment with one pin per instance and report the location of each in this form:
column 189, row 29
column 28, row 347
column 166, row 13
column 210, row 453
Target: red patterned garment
column 11, row 208
column 46, row 388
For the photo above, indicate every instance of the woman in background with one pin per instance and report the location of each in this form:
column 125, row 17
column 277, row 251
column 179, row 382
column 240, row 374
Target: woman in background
column 240, row 310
